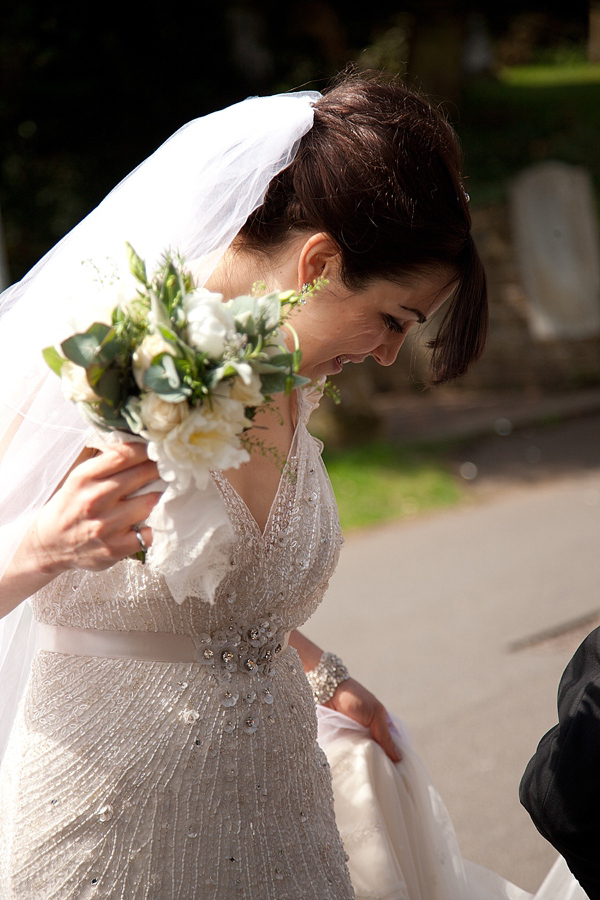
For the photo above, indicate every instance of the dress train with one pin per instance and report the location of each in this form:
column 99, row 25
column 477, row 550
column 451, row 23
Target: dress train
column 397, row 832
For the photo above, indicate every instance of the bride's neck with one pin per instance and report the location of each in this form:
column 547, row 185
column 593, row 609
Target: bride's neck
column 239, row 272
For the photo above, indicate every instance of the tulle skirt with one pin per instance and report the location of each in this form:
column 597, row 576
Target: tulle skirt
column 397, row 832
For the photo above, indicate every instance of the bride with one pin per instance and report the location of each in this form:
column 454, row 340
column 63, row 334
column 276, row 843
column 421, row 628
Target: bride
column 148, row 753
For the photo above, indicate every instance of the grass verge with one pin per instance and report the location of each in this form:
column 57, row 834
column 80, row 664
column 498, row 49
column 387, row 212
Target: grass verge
column 380, row 482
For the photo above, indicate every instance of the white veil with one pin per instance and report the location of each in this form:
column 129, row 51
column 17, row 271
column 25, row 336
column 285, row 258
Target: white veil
column 191, row 196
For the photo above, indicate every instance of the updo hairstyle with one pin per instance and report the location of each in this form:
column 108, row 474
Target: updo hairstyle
column 379, row 172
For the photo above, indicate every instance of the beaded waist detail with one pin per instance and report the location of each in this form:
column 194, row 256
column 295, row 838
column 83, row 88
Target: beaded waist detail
column 237, row 647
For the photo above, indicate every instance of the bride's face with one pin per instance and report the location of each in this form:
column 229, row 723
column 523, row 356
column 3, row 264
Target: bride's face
column 336, row 326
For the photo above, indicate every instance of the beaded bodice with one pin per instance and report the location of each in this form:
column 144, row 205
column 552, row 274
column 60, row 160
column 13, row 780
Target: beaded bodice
column 146, row 780
column 280, row 573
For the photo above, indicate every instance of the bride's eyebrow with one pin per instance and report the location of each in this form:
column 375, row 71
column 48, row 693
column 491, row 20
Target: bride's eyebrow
column 420, row 317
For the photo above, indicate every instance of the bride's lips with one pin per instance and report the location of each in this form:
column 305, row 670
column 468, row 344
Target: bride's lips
column 340, row 361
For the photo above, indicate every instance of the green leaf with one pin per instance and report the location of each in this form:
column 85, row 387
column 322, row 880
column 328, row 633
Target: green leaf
column 81, row 348
column 159, row 311
column 168, row 335
column 110, row 347
column 273, row 384
column 104, row 417
column 270, row 311
column 168, row 364
column 131, row 412
column 264, row 368
column 136, row 265
column 282, row 359
column 156, row 379
column 53, row 359
column 109, row 387
column 94, row 373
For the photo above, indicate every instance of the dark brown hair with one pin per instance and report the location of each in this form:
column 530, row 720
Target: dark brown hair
column 380, row 173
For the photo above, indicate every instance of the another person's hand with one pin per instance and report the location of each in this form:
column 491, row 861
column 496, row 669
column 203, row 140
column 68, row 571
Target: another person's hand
column 88, row 523
column 356, row 702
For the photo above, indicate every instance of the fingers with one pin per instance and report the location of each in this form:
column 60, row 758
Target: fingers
column 88, row 522
column 356, row 702
column 115, row 474
column 115, row 459
column 381, row 733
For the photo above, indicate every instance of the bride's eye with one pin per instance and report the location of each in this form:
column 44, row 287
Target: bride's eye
column 393, row 324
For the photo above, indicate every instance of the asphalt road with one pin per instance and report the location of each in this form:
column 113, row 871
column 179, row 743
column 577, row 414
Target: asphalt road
column 462, row 623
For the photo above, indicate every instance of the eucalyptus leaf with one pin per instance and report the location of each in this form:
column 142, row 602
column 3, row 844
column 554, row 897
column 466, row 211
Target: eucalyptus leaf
column 101, row 415
column 110, row 347
column 168, row 364
column 132, row 414
column 155, row 379
column 109, row 386
column 81, row 348
column 94, row 373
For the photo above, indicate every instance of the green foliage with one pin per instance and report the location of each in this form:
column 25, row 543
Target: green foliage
column 380, row 482
column 525, row 116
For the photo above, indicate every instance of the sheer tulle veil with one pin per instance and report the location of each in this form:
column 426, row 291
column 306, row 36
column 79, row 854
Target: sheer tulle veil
column 191, row 197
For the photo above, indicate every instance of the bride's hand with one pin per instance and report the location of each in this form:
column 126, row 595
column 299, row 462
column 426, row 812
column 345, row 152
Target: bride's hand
column 356, row 702
column 88, row 523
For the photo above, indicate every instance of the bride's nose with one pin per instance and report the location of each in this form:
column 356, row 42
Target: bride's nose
column 387, row 352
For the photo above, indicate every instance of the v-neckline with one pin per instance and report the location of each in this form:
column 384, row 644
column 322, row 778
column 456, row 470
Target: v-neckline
column 292, row 452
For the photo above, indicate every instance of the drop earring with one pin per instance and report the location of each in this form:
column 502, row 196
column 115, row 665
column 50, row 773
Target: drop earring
column 304, row 290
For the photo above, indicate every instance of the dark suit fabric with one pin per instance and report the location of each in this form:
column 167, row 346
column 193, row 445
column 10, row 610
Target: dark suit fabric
column 561, row 785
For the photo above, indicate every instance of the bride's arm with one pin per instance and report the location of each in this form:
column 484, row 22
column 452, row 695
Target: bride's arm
column 350, row 698
column 87, row 523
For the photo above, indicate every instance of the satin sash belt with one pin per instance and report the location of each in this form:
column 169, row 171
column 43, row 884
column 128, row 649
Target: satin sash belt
column 158, row 647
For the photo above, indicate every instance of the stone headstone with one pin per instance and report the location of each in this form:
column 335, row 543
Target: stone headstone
column 555, row 230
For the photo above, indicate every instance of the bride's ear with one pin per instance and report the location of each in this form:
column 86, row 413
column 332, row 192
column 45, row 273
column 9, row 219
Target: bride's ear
column 319, row 258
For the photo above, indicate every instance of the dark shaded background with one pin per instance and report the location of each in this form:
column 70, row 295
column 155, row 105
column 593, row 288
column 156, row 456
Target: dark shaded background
column 89, row 90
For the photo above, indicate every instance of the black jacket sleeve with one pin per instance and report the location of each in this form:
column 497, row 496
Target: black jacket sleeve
column 561, row 785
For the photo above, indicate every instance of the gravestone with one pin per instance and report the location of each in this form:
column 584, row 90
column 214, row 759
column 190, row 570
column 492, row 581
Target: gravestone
column 555, row 231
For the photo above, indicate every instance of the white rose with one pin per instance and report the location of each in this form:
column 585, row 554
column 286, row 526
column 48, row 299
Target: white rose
column 160, row 417
column 246, row 387
column 151, row 346
column 75, row 385
column 207, row 439
column 210, row 323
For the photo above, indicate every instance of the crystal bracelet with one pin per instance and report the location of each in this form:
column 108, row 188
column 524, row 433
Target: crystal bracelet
column 325, row 678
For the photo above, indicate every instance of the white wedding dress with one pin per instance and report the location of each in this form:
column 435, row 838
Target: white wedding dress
column 137, row 779
column 133, row 779
column 398, row 835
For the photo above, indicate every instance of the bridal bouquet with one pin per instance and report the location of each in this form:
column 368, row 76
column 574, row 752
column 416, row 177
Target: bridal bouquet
column 179, row 367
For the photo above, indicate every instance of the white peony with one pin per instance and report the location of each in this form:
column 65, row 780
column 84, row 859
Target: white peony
column 75, row 385
column 208, row 438
column 160, row 417
column 151, row 346
column 210, row 323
